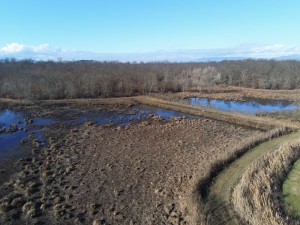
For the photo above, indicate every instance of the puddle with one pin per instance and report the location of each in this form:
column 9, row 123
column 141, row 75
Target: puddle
column 40, row 121
column 14, row 127
column 250, row 106
column 135, row 113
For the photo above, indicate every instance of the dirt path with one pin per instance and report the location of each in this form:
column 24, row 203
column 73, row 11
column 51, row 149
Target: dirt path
column 218, row 205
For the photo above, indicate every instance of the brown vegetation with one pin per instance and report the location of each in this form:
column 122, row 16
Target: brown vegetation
column 292, row 115
column 257, row 198
column 239, row 93
column 89, row 79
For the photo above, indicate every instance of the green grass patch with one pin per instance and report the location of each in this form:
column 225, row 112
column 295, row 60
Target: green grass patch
column 291, row 190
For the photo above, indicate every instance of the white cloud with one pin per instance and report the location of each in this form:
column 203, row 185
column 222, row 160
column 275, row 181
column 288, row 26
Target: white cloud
column 37, row 52
column 276, row 50
column 16, row 48
column 46, row 52
column 41, row 48
column 12, row 48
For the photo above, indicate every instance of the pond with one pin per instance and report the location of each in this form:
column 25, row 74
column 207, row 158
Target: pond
column 249, row 106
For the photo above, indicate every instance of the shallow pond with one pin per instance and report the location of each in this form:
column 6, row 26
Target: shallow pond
column 249, row 106
column 133, row 114
column 14, row 127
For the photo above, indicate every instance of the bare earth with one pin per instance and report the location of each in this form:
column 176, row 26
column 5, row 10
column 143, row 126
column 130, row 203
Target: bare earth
column 145, row 173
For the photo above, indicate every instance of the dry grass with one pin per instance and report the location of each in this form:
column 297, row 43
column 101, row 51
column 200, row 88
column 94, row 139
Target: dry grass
column 82, row 101
column 15, row 102
column 241, row 149
column 293, row 115
column 94, row 101
column 216, row 199
column 257, row 198
column 240, row 93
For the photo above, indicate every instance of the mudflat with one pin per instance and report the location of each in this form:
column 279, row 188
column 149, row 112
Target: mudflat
column 141, row 173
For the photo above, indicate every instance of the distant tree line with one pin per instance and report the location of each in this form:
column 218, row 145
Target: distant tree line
column 88, row 79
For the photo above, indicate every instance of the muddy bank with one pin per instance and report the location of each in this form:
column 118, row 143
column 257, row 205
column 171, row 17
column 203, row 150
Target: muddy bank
column 143, row 173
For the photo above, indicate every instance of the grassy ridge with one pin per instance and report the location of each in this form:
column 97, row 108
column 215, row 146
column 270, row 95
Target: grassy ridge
column 291, row 191
column 257, row 196
column 218, row 206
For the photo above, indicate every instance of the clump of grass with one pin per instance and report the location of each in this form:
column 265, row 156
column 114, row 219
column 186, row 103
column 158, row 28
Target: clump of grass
column 257, row 198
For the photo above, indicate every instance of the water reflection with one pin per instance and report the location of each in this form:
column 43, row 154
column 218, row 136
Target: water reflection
column 250, row 106
column 15, row 127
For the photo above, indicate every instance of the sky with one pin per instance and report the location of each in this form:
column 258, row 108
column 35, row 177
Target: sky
column 149, row 29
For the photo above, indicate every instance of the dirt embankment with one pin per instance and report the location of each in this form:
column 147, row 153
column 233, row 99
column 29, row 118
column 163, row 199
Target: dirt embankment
column 141, row 174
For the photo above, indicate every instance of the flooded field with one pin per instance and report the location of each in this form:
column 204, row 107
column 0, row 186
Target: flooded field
column 249, row 106
column 108, row 164
column 142, row 173
column 17, row 130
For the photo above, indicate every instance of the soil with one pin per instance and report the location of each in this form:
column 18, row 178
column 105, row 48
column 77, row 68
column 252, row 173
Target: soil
column 144, row 173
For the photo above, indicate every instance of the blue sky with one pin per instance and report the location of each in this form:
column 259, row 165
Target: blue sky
column 89, row 28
